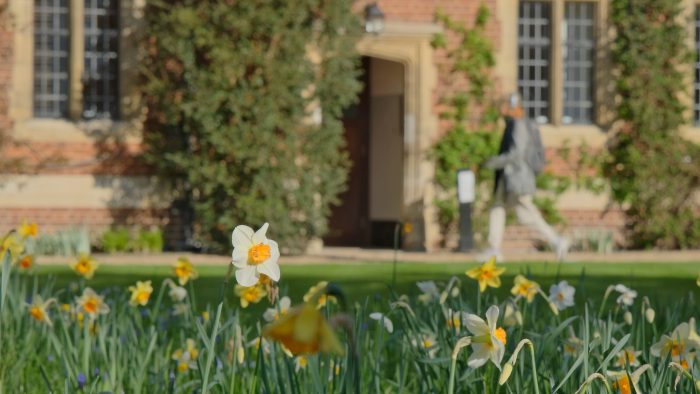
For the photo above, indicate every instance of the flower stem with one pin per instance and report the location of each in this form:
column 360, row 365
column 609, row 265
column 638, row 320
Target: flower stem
column 534, row 367
column 214, row 332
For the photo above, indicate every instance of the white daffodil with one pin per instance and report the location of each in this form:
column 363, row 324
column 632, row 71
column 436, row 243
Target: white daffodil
column 300, row 362
column 679, row 344
column 254, row 254
column 512, row 315
column 177, row 293
column 430, row 291
column 488, row 339
column 255, row 344
column 621, row 380
column 428, row 343
column 455, row 319
column 385, row 321
column 628, row 356
column 272, row 314
column 627, row 295
column 562, row 295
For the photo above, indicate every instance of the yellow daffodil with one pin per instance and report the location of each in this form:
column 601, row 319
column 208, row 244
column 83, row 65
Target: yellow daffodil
column 250, row 295
column 37, row 309
column 28, row 230
column 85, row 266
column 253, row 255
column 186, row 357
column 92, row 303
column 525, row 288
column 317, row 291
column 272, row 314
column 205, row 316
column 488, row 339
column 304, row 330
column 26, row 262
column 627, row 356
column 487, row 274
column 12, row 245
column 140, row 293
column 184, row 270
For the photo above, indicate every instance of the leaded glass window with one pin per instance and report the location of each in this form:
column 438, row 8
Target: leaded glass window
column 100, row 76
column 534, row 43
column 51, row 58
column 578, row 45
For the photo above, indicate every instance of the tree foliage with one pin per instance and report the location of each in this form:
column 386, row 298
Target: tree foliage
column 653, row 172
column 244, row 104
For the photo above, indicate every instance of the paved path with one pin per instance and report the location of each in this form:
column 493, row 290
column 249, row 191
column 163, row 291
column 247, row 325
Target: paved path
column 358, row 255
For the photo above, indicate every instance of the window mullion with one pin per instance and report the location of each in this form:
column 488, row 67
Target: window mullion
column 77, row 50
column 557, row 69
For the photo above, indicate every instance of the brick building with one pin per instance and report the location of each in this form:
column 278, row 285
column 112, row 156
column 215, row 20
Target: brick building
column 69, row 106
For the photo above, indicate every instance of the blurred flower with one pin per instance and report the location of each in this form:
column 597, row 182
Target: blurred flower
column 254, row 254
column 272, row 314
column 180, row 309
column 524, row 287
column 300, row 362
column 250, row 295
column 81, row 380
column 28, row 230
column 10, row 244
column 177, row 293
column 378, row 316
column 205, row 316
column 649, row 312
column 255, row 344
column 304, row 330
column 186, row 357
column 427, row 343
column 92, row 303
column 679, row 344
column 488, row 340
column 140, row 293
column 512, row 315
column 572, row 345
column 627, row 295
column 85, row 266
column 627, row 356
column 407, row 228
column 455, row 319
column 562, row 295
column 26, row 262
column 37, row 309
column 430, row 291
column 487, row 274
column 621, row 380
column 318, row 291
column 627, row 317
column 184, row 270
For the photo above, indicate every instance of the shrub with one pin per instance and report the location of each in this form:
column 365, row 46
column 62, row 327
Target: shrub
column 116, row 240
column 654, row 172
column 244, row 104
column 66, row 242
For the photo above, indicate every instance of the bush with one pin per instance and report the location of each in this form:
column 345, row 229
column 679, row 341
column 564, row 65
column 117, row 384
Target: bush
column 654, row 173
column 68, row 242
column 121, row 240
column 116, row 241
column 244, row 105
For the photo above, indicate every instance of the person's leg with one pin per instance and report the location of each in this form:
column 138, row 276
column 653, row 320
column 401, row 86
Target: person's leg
column 529, row 215
column 497, row 220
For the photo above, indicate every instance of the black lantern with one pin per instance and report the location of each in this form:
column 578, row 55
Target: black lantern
column 374, row 19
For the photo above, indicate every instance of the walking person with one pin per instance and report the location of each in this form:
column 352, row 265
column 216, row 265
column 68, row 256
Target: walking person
column 520, row 158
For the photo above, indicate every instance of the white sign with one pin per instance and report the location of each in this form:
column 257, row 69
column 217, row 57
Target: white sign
column 465, row 186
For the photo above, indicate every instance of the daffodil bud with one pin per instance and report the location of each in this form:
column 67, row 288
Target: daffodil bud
column 697, row 382
column 519, row 317
column 443, row 297
column 628, row 318
column 554, row 308
column 505, row 374
column 241, row 355
column 650, row 314
column 454, row 292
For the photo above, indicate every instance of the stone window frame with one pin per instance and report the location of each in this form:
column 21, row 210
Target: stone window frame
column 74, row 128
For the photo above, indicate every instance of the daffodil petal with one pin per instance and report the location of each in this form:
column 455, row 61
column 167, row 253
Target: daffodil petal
column 259, row 236
column 270, row 269
column 239, row 257
column 242, row 236
column 476, row 325
column 247, row 276
column 492, row 318
column 479, row 356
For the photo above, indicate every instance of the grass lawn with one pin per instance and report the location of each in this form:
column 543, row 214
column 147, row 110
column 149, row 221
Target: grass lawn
column 664, row 282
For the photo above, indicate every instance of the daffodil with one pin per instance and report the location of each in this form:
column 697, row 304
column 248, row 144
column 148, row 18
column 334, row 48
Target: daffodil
column 512, row 315
column 177, row 293
column 253, row 255
column 304, row 330
column 679, row 344
column 561, row 295
column 257, row 342
column 628, row 356
column 85, row 266
column 487, row 274
column 184, row 270
column 37, row 309
column 429, row 290
column 488, row 341
column 317, row 292
column 140, row 293
column 455, row 319
column 272, row 314
column 28, row 230
column 186, row 357
column 573, row 344
column 624, row 382
column 250, row 295
column 12, row 245
column 380, row 317
column 525, row 288
column 26, row 262
column 300, row 362
column 427, row 343
column 627, row 295
column 92, row 303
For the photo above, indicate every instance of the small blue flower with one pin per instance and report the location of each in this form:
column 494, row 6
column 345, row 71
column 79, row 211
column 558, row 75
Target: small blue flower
column 81, row 380
column 96, row 372
column 51, row 357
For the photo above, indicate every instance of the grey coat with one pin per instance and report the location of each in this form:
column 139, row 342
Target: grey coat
column 517, row 176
